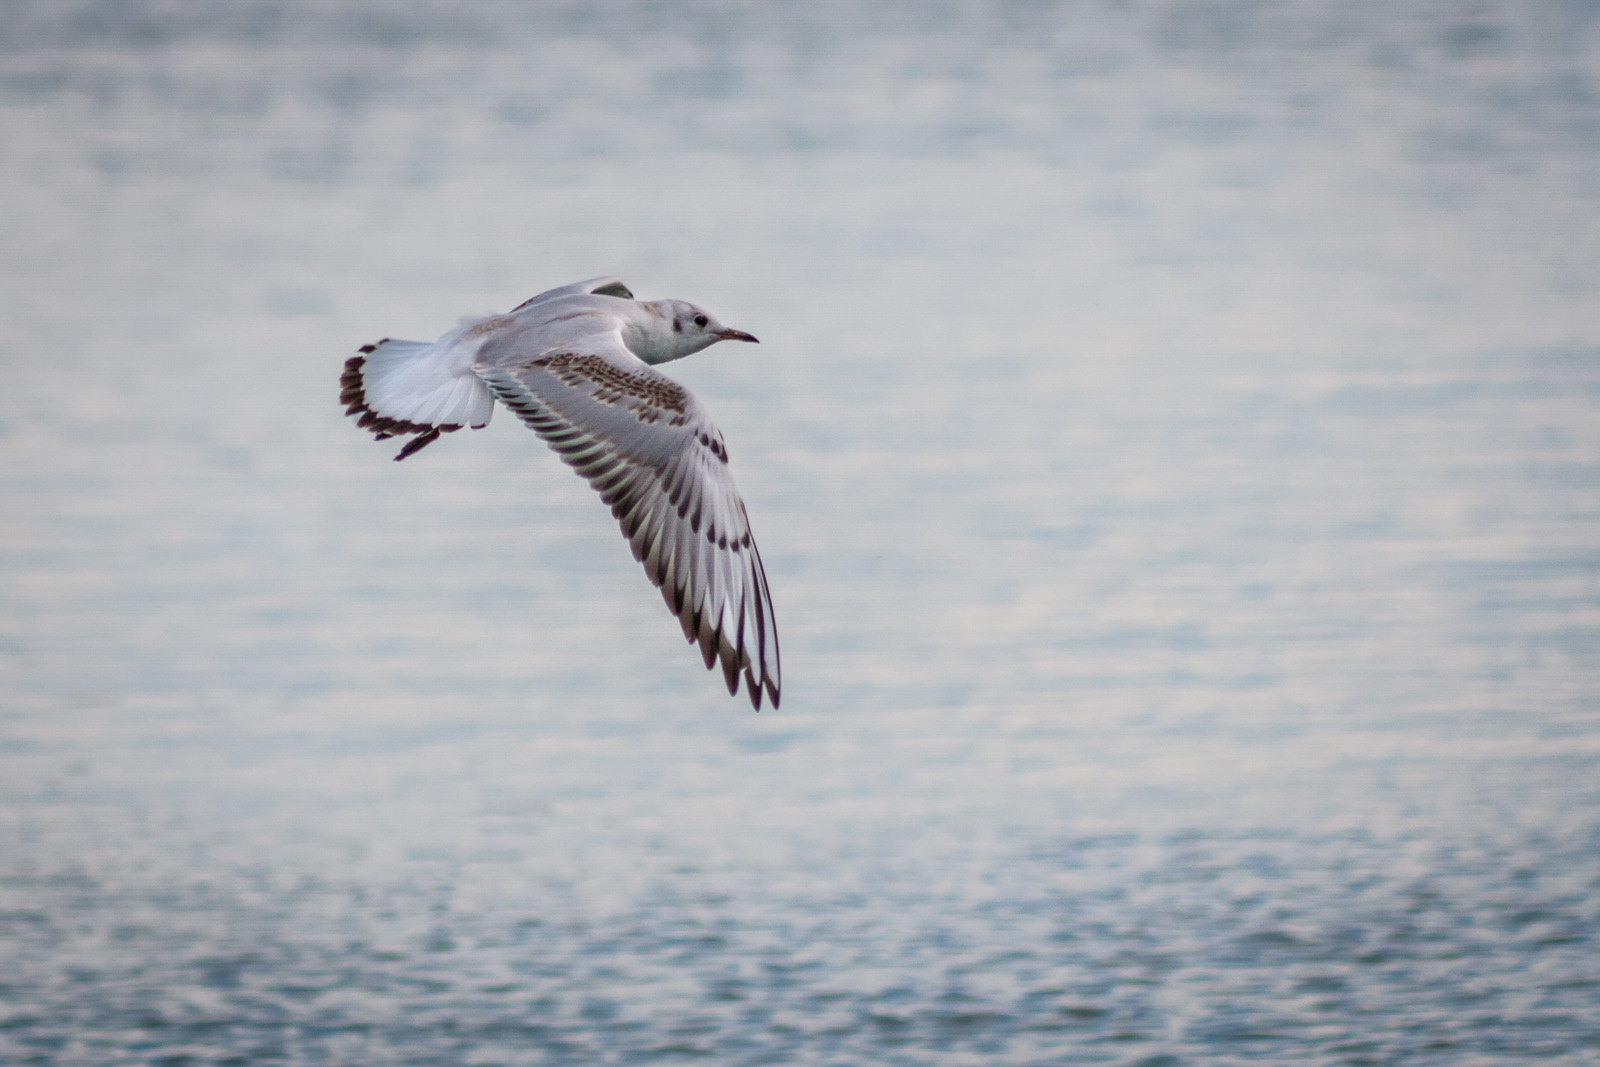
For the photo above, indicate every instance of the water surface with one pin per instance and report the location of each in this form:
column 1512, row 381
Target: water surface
column 1173, row 445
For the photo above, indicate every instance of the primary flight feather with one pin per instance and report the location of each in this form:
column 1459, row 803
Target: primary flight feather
column 577, row 365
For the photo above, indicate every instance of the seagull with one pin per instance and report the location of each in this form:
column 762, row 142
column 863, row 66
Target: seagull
column 577, row 365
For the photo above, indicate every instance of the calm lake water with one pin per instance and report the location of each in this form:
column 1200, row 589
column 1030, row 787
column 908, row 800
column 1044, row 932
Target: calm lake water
column 1175, row 447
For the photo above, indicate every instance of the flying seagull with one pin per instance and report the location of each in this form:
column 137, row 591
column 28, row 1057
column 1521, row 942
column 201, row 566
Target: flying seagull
column 576, row 364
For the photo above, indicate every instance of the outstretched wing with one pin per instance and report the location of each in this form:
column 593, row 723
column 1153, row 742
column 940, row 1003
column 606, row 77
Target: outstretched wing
column 647, row 447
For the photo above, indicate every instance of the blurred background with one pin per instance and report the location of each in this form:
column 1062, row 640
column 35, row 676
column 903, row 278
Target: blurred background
column 1174, row 448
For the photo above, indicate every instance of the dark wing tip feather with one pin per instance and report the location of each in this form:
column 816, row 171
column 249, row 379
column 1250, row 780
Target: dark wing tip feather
column 730, row 667
column 691, row 626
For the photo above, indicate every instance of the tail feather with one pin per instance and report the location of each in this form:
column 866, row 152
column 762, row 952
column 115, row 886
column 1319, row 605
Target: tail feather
column 414, row 387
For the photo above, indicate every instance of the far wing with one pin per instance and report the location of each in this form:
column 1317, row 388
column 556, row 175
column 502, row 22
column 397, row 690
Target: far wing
column 646, row 445
column 603, row 286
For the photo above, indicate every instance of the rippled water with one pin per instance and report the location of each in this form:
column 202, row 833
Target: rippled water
column 1174, row 447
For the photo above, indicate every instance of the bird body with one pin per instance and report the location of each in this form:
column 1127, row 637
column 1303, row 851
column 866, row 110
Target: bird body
column 576, row 365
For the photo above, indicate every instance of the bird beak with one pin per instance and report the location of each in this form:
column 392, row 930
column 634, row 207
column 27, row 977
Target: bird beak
column 736, row 335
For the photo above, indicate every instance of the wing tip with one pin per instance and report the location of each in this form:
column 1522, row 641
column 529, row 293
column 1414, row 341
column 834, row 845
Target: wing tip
column 755, row 688
column 730, row 666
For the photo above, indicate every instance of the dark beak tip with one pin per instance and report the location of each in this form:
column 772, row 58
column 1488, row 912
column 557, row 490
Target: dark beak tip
column 738, row 335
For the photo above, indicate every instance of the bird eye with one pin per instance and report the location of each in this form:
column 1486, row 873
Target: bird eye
column 700, row 321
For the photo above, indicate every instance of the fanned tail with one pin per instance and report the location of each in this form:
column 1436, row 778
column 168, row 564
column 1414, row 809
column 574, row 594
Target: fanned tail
column 400, row 388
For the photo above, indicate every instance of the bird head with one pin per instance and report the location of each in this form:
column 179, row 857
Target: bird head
column 676, row 328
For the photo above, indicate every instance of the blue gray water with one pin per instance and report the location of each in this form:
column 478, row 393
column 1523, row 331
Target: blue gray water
column 1174, row 445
